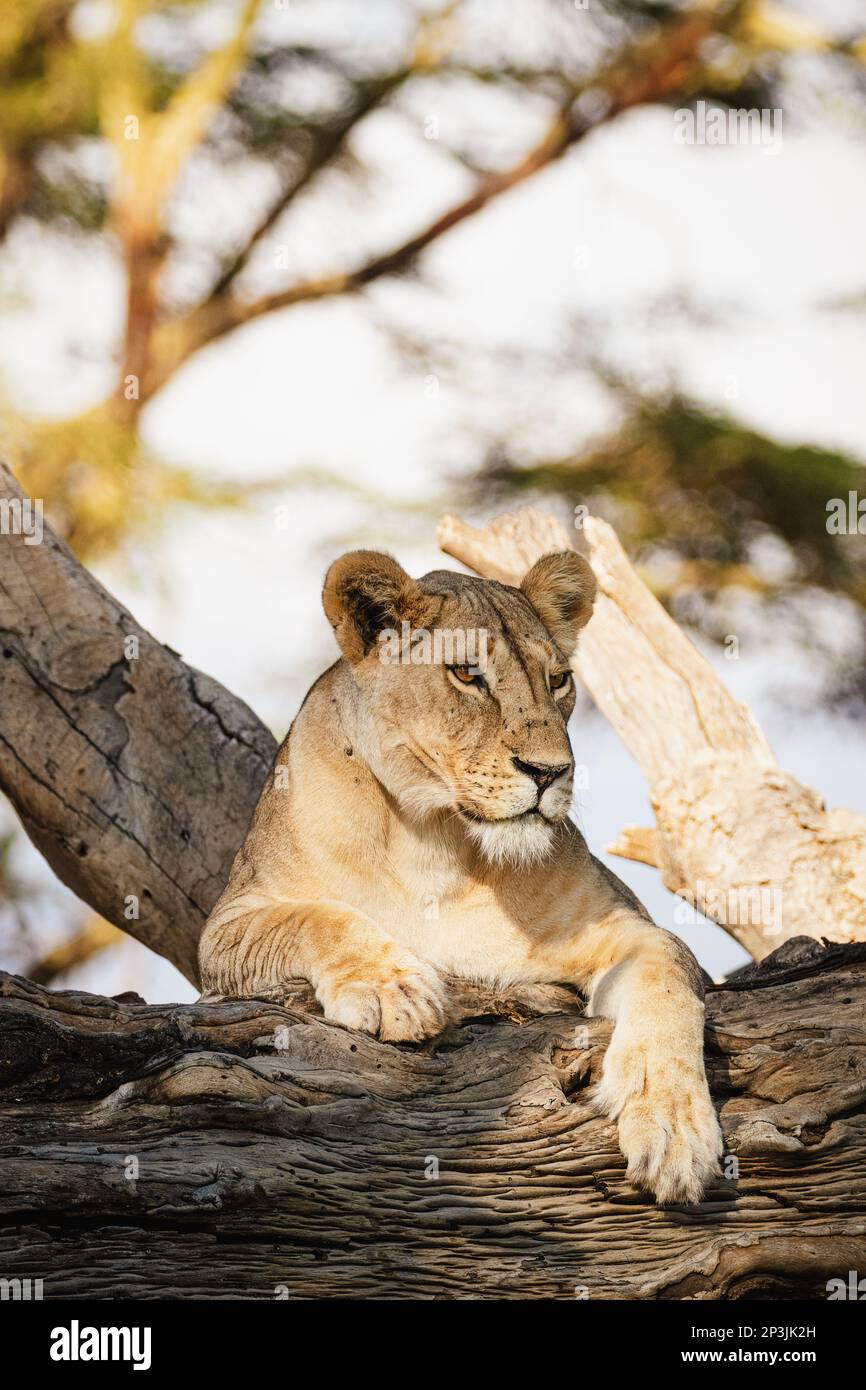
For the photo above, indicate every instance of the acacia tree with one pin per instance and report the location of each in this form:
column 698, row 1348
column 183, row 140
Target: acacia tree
column 102, row 130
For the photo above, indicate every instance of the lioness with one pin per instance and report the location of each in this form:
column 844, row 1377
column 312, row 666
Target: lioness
column 411, row 782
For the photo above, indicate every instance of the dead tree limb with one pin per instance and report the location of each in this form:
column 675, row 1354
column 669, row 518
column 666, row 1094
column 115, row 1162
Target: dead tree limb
column 249, row 1149
column 731, row 826
column 132, row 773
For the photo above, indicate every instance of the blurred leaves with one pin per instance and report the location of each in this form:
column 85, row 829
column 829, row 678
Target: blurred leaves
column 707, row 488
column 102, row 481
column 106, row 106
column 708, row 506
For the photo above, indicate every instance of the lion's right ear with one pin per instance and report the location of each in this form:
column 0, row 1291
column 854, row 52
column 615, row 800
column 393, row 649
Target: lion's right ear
column 366, row 592
column 561, row 588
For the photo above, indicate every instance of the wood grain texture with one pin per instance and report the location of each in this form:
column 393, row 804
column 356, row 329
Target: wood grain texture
column 276, row 1151
column 134, row 776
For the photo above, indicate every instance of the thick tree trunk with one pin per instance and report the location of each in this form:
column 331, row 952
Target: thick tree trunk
column 745, row 842
column 252, row 1150
column 133, row 774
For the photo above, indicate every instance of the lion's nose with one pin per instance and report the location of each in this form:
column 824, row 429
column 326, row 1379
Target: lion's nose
column 542, row 774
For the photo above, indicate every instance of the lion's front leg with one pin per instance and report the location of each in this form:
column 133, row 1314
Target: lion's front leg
column 653, row 1079
column 363, row 979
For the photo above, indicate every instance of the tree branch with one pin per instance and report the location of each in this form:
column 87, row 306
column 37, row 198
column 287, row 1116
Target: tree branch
column 643, row 72
column 149, row 160
column 94, row 936
column 328, row 143
column 331, row 138
column 139, row 1139
column 132, row 773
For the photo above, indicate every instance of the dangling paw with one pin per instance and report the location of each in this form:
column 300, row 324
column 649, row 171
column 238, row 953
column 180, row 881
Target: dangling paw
column 668, row 1129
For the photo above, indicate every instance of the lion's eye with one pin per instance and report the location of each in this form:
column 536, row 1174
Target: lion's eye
column 466, row 675
column 559, row 679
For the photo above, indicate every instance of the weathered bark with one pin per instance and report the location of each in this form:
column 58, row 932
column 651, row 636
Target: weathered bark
column 133, row 774
column 745, row 841
column 276, row 1151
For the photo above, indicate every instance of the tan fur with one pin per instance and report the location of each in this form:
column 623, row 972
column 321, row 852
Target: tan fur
column 403, row 833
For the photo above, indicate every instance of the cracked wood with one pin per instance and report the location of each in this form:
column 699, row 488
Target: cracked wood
column 135, row 777
column 276, row 1151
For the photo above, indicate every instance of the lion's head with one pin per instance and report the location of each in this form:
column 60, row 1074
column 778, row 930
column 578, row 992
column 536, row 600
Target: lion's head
column 465, row 690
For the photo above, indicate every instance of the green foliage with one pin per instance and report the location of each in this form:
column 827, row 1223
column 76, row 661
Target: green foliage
column 703, row 485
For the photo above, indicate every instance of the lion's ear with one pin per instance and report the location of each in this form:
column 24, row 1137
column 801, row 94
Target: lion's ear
column 365, row 593
column 561, row 588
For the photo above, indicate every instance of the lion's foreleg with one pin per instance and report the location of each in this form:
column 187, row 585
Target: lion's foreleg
column 362, row 977
column 653, row 1078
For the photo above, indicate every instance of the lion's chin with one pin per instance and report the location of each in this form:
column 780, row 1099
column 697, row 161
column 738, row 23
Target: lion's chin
column 521, row 841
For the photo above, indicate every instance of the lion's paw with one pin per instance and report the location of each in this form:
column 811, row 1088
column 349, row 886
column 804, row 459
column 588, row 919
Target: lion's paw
column 401, row 1002
column 668, row 1129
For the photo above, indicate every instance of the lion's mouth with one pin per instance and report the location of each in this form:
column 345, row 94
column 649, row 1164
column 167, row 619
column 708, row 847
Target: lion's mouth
column 532, row 814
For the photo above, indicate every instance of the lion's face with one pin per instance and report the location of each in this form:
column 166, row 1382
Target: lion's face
column 467, row 691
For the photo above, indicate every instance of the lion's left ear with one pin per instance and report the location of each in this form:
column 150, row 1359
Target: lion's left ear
column 365, row 593
column 561, row 588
